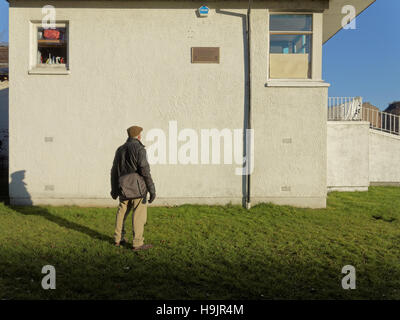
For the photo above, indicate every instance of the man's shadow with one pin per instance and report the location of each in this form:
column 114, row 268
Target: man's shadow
column 18, row 186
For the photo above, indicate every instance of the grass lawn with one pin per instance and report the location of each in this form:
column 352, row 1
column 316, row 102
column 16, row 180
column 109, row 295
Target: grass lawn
column 207, row 252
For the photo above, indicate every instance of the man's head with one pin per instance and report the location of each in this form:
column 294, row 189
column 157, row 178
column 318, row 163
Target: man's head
column 135, row 132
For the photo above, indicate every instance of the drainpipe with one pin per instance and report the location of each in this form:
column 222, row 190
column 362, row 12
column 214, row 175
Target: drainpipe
column 248, row 146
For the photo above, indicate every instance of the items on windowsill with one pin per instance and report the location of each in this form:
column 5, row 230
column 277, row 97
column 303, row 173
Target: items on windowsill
column 53, row 60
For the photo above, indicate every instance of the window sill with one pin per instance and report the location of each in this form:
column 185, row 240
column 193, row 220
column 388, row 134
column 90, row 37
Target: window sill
column 49, row 70
column 296, row 83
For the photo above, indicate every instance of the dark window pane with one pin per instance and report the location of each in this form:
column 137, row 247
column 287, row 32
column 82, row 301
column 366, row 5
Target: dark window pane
column 290, row 22
column 52, row 46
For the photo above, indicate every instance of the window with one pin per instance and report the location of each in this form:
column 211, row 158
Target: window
column 290, row 46
column 50, row 49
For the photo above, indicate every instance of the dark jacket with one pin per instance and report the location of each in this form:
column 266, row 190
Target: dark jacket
column 131, row 157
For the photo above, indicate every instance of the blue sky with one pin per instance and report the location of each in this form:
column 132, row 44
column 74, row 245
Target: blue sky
column 362, row 62
column 366, row 61
column 3, row 20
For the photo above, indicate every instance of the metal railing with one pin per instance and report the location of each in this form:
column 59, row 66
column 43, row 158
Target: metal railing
column 351, row 109
column 344, row 108
column 383, row 121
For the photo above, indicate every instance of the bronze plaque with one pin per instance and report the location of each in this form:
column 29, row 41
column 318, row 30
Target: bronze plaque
column 205, row 54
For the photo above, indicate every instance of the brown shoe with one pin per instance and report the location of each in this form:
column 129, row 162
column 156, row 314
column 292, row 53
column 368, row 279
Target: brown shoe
column 119, row 244
column 143, row 247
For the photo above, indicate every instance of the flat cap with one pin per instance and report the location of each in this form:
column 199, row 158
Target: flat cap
column 134, row 131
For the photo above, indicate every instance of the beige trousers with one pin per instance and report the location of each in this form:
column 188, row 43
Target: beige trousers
column 139, row 218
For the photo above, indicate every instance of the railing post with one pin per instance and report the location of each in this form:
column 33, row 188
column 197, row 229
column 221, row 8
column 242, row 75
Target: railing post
column 373, row 117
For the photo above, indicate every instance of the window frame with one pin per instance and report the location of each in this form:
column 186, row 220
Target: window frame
column 312, row 33
column 34, row 67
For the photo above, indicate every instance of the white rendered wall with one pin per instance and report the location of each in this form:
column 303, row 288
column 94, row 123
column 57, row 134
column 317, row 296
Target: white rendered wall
column 130, row 64
column 384, row 157
column 348, row 155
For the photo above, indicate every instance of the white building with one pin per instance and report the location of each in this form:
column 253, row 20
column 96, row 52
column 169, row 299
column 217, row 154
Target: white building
column 137, row 62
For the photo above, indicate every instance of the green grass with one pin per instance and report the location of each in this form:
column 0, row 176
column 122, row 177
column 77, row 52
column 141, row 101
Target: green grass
column 208, row 252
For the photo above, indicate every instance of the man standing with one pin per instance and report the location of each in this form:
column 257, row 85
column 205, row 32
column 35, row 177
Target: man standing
column 129, row 158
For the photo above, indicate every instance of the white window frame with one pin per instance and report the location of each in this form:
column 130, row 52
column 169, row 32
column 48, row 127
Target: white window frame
column 316, row 54
column 35, row 68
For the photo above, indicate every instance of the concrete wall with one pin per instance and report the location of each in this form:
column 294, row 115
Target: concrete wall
column 348, row 155
column 384, row 158
column 290, row 129
column 359, row 156
column 130, row 64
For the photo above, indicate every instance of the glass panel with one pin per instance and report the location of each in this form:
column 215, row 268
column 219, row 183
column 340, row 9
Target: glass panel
column 290, row 22
column 284, row 43
column 52, row 46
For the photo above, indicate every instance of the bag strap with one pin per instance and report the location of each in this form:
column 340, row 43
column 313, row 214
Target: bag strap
column 141, row 199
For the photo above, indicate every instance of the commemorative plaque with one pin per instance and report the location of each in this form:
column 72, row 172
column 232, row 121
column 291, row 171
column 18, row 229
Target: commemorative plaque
column 205, row 54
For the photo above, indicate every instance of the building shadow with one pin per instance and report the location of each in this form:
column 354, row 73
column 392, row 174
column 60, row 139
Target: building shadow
column 18, row 186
